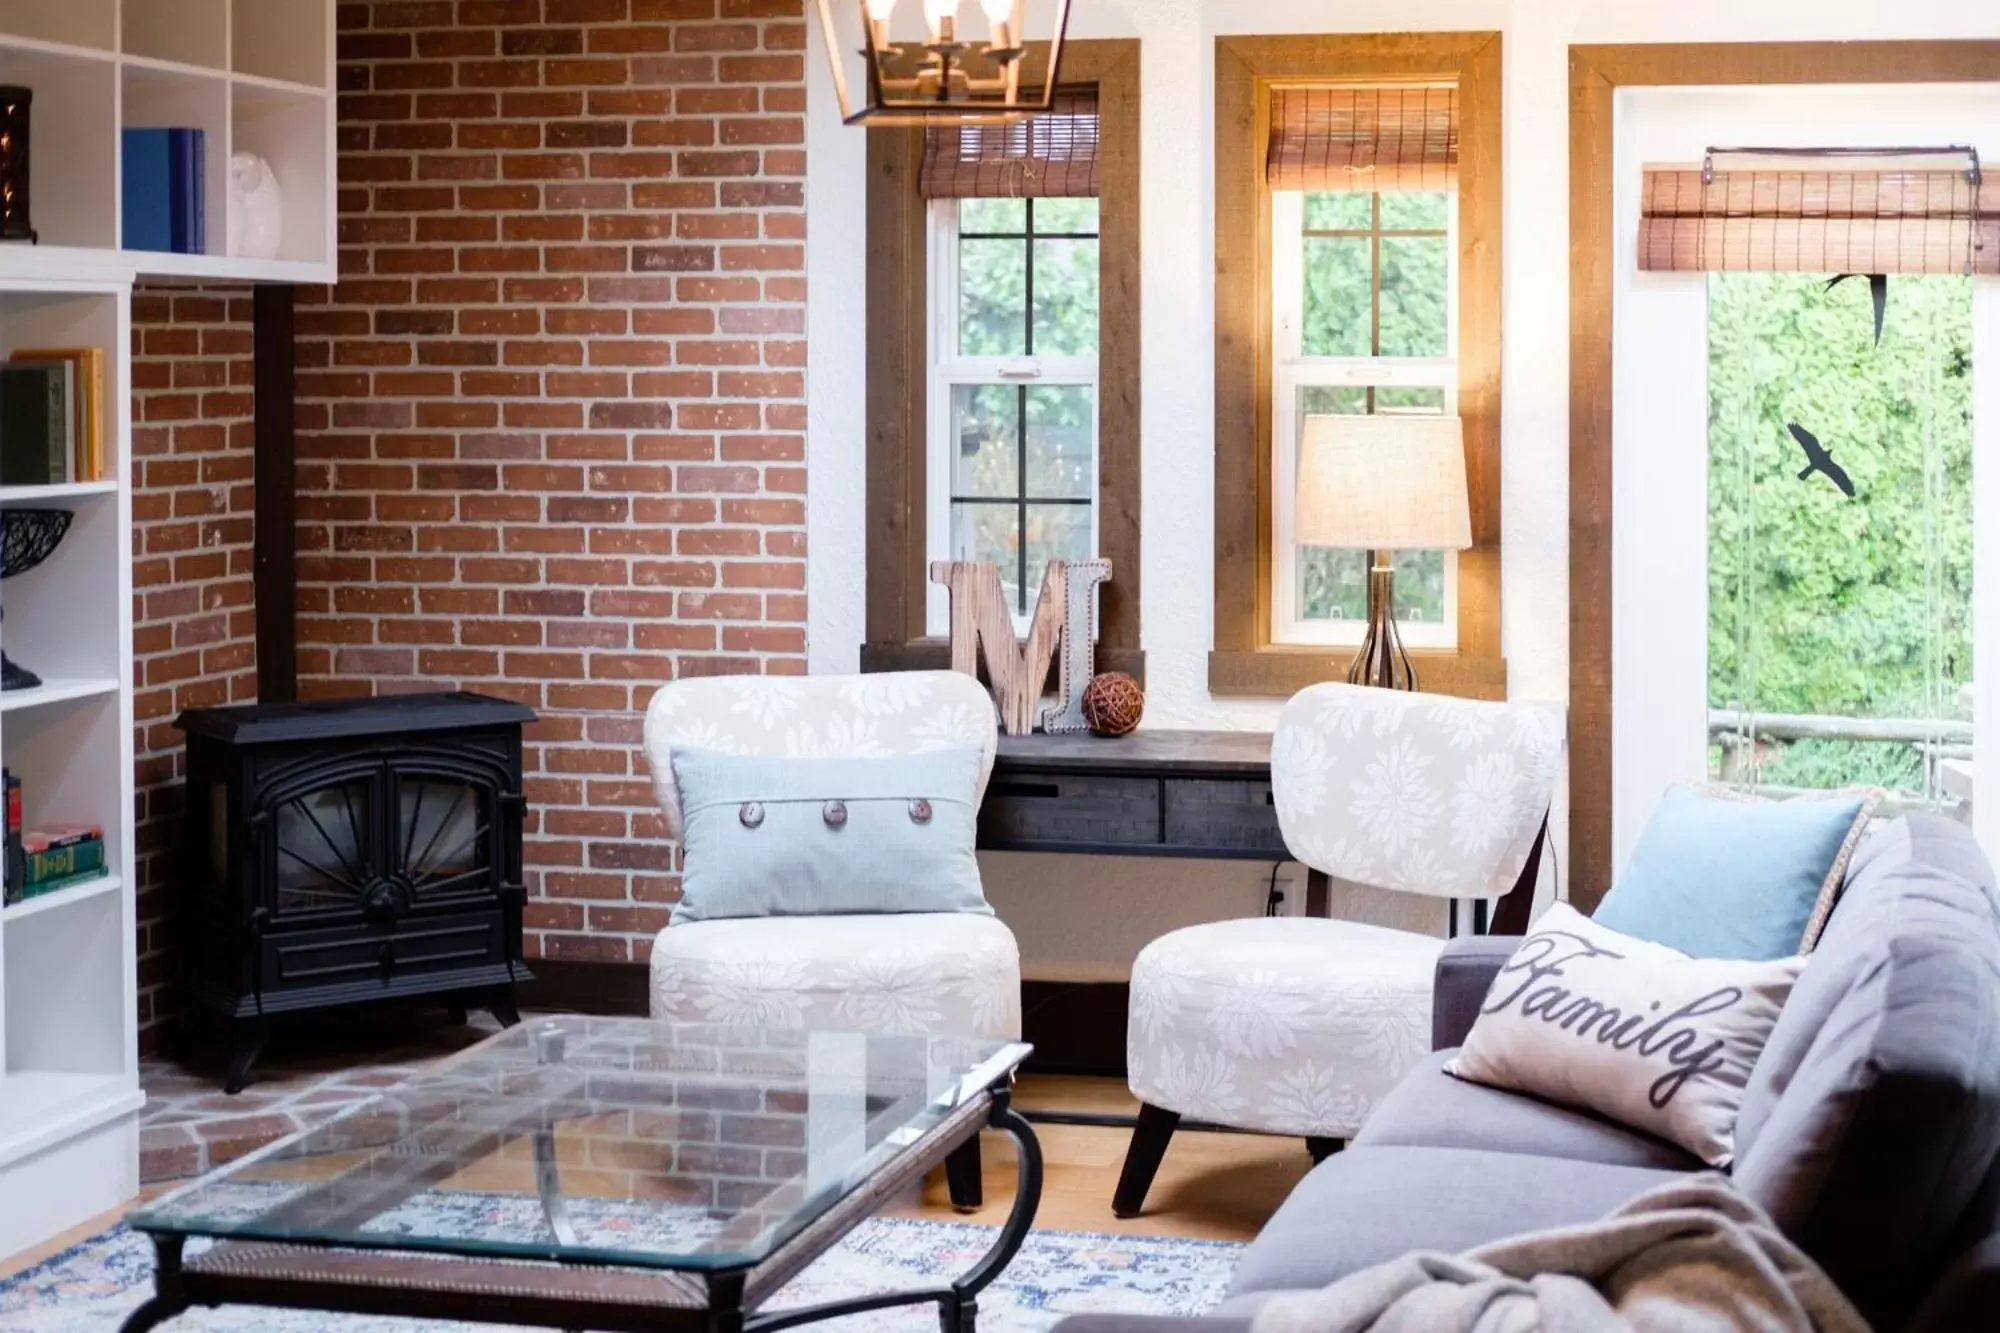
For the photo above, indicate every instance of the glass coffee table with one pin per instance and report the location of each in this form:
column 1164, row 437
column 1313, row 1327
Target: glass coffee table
column 600, row 1173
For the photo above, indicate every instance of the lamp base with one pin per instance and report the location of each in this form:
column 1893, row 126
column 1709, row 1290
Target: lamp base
column 1382, row 661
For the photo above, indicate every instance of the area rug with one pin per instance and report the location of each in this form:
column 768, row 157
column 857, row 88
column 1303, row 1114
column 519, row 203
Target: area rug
column 90, row 1287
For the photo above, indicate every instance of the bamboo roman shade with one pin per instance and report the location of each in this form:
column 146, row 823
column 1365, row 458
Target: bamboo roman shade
column 1364, row 138
column 1053, row 155
column 1821, row 211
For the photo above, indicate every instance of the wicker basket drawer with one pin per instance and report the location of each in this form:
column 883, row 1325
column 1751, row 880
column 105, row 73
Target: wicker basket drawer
column 1231, row 814
column 1072, row 810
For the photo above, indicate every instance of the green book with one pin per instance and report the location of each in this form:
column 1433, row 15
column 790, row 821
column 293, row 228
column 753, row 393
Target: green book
column 65, row 862
column 34, row 425
column 55, row 885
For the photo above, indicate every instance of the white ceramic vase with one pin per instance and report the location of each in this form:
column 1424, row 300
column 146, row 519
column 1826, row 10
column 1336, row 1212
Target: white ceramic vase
column 256, row 208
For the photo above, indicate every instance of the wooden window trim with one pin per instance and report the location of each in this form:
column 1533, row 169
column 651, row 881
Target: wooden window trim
column 899, row 375
column 1245, row 661
column 1595, row 75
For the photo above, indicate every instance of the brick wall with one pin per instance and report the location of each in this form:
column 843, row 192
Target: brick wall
column 194, row 631
column 552, row 419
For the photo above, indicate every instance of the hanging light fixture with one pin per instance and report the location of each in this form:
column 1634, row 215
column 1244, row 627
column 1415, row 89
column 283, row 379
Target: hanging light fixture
column 939, row 65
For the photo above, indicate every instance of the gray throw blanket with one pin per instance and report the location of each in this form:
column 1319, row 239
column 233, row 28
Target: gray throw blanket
column 1690, row 1256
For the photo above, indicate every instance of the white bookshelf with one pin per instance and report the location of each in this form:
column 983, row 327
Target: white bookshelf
column 255, row 75
column 69, row 1058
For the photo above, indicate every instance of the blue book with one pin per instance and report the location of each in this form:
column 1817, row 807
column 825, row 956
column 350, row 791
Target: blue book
column 187, row 167
column 148, row 220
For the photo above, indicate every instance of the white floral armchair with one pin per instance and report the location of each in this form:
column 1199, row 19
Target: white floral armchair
column 1299, row 1026
column 915, row 973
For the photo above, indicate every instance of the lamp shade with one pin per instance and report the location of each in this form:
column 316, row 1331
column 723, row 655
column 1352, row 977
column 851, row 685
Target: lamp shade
column 1383, row 483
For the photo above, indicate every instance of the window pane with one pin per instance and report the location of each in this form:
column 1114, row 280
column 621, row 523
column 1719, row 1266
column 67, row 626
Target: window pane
column 1066, row 298
column 1065, row 217
column 1332, row 400
column 1055, row 532
column 990, row 534
column 1829, row 605
column 993, row 294
column 1333, row 584
column 1337, row 298
column 1005, row 216
column 1416, row 210
column 1406, row 400
column 1319, row 400
column 1414, row 305
column 1061, row 421
column 1349, row 210
column 985, row 424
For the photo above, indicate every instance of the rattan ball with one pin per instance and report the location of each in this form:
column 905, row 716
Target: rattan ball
column 1113, row 704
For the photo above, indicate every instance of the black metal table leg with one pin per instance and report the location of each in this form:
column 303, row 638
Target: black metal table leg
column 725, row 1302
column 958, row 1304
column 167, row 1299
column 1020, row 1221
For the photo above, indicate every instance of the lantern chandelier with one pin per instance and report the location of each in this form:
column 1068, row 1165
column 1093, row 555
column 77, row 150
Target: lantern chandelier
column 940, row 72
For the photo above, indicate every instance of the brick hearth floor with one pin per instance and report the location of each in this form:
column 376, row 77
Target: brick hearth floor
column 310, row 1073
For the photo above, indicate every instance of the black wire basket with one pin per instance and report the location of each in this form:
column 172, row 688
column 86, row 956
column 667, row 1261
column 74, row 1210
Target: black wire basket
column 27, row 537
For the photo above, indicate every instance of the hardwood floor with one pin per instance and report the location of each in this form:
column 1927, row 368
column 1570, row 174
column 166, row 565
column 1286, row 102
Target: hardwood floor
column 1212, row 1186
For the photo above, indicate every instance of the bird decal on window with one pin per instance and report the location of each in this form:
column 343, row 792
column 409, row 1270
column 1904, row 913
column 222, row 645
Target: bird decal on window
column 1819, row 460
column 1878, row 292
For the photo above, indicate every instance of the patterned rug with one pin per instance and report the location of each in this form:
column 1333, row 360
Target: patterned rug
column 90, row 1287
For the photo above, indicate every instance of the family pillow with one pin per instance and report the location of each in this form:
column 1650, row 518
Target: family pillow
column 1635, row 1031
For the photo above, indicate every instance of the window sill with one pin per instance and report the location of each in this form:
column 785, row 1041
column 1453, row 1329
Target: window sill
column 1280, row 672
column 935, row 655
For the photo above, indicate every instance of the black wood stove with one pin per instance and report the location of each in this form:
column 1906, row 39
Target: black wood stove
column 359, row 849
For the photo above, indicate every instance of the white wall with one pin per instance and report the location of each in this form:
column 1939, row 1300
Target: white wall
column 1086, row 917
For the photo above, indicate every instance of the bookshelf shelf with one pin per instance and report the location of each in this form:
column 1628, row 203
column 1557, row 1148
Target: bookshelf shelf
column 42, row 1107
column 61, row 898
column 11, row 496
column 57, row 692
column 253, row 75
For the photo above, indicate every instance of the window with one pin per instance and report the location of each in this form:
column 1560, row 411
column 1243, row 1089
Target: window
column 1357, row 271
column 1840, row 624
column 1364, row 321
column 1012, row 439
column 1002, row 329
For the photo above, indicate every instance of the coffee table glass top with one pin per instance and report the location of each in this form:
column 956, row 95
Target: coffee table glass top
column 602, row 1140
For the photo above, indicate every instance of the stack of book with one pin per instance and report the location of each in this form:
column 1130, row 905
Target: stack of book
column 52, row 424
column 164, row 205
column 43, row 860
column 59, row 855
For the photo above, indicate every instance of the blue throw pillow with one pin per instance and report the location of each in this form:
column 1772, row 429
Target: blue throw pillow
column 1731, row 878
column 828, row 837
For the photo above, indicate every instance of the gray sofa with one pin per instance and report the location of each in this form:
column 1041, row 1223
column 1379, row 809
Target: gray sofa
column 1870, row 1130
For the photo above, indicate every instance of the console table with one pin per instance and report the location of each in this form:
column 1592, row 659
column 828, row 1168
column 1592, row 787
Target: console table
column 1204, row 795
column 1197, row 794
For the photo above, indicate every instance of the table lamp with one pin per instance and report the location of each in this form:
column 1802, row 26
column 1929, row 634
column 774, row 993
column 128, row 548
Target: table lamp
column 1383, row 484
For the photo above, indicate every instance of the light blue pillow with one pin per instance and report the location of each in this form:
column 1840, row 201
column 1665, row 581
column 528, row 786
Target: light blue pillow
column 1721, row 878
column 827, row 837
